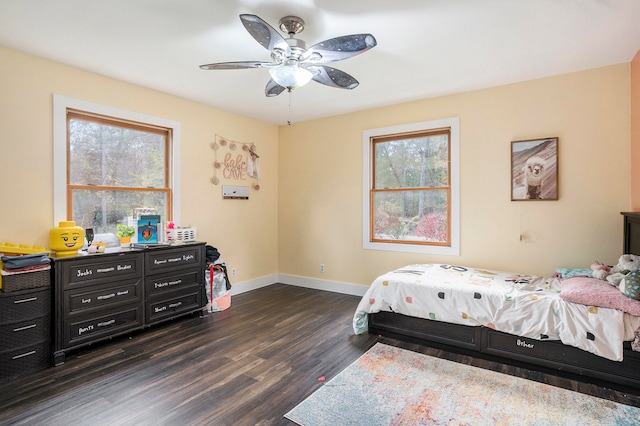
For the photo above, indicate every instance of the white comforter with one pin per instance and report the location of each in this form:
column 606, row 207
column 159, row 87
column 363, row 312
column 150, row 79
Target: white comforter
column 522, row 305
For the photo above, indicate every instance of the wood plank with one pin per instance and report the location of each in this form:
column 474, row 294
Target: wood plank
column 247, row 365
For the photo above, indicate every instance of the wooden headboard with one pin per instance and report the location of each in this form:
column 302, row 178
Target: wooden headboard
column 631, row 233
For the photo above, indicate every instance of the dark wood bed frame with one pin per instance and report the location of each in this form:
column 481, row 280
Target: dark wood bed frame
column 532, row 353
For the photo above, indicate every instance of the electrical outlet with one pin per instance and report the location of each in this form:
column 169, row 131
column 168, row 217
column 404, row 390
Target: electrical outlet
column 322, row 267
column 233, row 272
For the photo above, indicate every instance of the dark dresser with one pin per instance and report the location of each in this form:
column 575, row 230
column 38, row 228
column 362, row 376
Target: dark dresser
column 25, row 331
column 100, row 296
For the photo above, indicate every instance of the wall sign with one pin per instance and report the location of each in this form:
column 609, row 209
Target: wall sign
column 235, row 161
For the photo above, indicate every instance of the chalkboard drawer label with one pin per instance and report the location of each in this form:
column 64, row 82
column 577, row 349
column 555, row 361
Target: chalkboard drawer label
column 167, row 282
column 91, row 328
column 169, row 308
column 172, row 259
column 79, row 301
column 544, row 349
column 98, row 270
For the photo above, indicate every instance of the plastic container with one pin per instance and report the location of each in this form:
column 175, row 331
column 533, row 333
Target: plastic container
column 183, row 234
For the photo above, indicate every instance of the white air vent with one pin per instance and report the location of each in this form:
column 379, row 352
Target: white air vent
column 235, row 192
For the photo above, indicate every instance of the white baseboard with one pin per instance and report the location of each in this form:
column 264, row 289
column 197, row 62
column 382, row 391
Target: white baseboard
column 242, row 287
column 325, row 285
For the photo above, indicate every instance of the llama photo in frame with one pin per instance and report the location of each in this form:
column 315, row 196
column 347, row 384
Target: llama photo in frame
column 534, row 169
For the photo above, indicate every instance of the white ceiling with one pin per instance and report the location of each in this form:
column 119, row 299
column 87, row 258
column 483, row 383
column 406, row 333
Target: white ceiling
column 425, row 48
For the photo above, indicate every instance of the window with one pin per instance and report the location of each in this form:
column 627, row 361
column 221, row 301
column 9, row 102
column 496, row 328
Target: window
column 108, row 162
column 411, row 188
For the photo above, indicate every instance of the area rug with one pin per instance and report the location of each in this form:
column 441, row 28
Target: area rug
column 393, row 386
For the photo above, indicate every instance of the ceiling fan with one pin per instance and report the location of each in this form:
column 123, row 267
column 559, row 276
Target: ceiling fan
column 294, row 65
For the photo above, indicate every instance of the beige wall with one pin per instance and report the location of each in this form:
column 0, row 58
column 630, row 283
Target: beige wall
column 244, row 231
column 320, row 179
column 309, row 208
column 635, row 133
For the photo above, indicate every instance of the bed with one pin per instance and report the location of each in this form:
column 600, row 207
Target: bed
column 541, row 321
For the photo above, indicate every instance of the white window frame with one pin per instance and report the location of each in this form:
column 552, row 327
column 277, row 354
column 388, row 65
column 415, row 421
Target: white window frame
column 454, row 124
column 60, row 106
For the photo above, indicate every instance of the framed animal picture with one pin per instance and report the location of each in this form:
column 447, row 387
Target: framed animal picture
column 534, row 169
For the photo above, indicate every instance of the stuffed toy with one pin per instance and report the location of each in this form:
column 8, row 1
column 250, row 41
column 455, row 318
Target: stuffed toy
column 600, row 270
column 627, row 263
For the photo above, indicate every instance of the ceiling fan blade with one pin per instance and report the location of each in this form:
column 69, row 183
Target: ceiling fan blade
column 339, row 48
column 264, row 34
column 273, row 89
column 235, row 65
column 333, row 77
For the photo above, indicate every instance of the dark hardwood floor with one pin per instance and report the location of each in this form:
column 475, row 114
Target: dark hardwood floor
column 248, row 365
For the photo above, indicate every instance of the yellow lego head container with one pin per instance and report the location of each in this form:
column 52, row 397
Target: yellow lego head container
column 66, row 239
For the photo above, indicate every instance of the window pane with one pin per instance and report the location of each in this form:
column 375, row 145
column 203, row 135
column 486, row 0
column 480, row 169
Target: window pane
column 413, row 162
column 411, row 215
column 102, row 210
column 110, row 155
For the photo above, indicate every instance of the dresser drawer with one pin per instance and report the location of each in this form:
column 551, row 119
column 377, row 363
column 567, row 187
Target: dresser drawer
column 451, row 334
column 24, row 305
column 92, row 328
column 94, row 270
column 174, row 304
column 25, row 359
column 555, row 354
column 87, row 299
column 177, row 258
column 498, row 343
column 25, row 333
column 157, row 284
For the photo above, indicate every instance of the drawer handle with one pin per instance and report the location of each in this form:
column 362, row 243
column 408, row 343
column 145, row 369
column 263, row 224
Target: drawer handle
column 175, row 305
column 30, row 299
column 106, row 296
column 24, row 354
column 26, row 327
column 106, row 323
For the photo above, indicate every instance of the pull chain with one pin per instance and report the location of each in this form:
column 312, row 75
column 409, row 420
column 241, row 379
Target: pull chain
column 290, row 99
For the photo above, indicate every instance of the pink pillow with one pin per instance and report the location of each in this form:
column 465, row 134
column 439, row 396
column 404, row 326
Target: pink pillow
column 594, row 292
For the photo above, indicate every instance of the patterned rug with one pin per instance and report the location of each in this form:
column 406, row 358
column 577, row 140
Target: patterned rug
column 392, row 386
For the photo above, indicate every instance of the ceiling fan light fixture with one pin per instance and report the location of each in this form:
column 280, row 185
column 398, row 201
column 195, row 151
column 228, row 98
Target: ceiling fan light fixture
column 293, row 64
column 290, row 76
